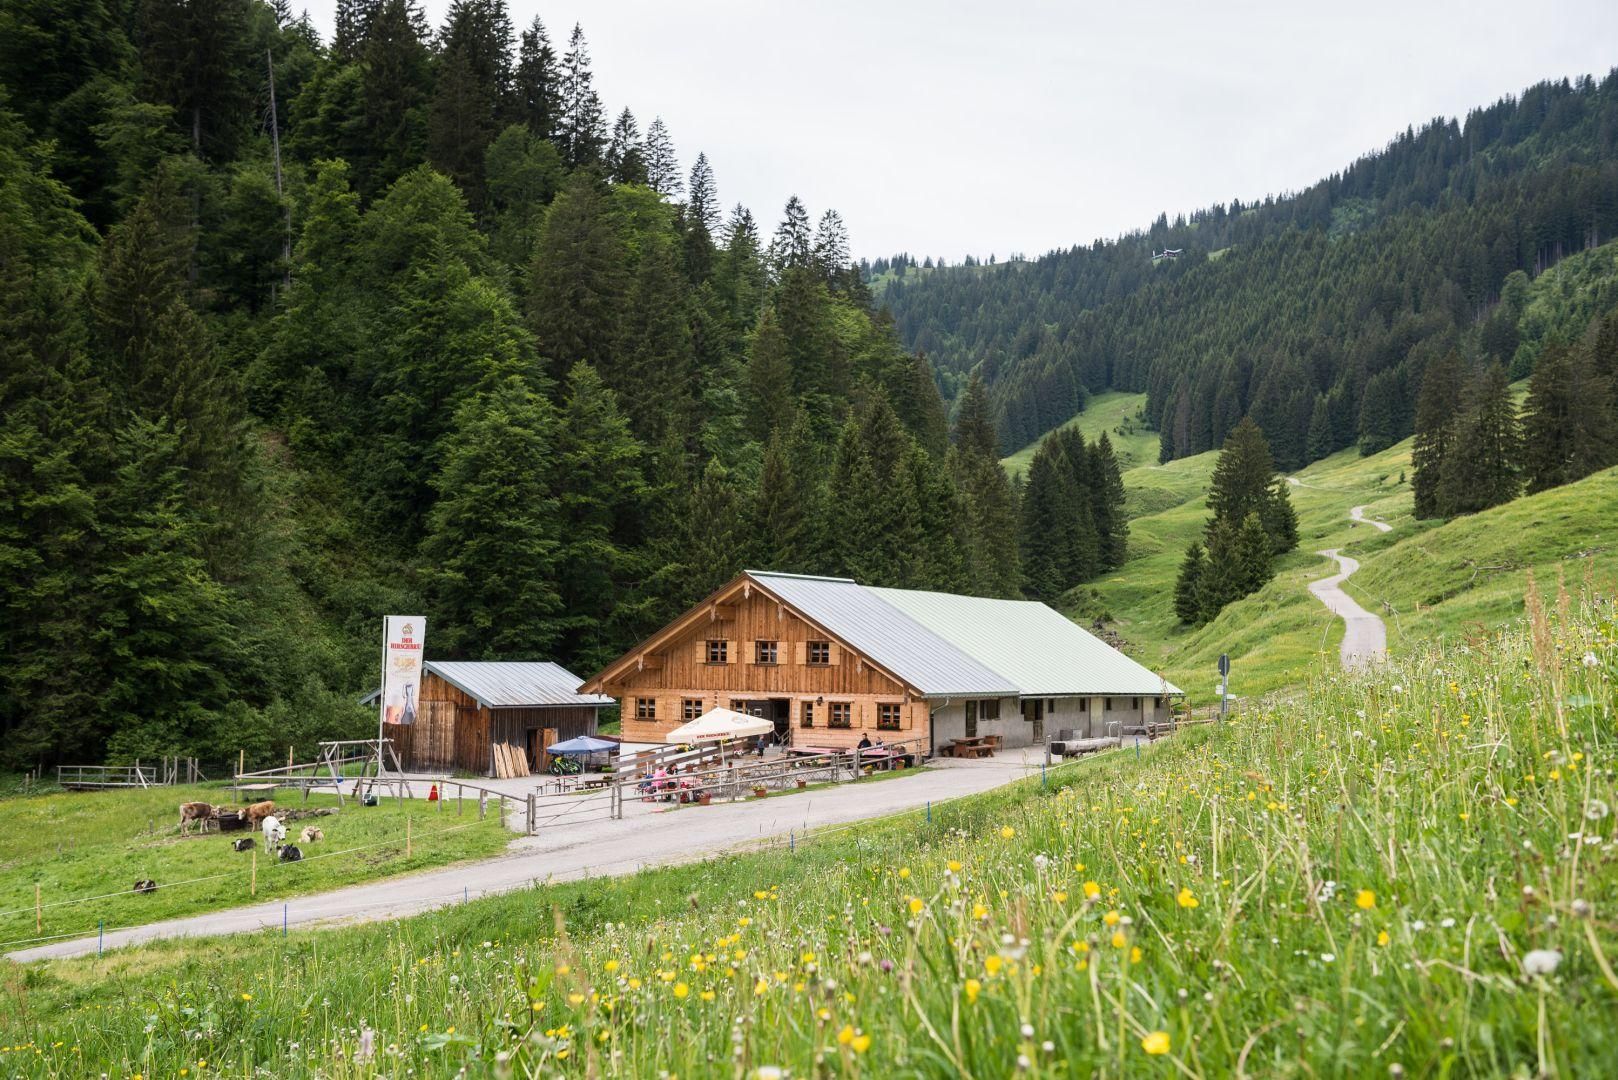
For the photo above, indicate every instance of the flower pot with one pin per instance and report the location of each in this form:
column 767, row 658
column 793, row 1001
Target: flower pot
column 704, row 798
column 760, row 792
column 802, row 783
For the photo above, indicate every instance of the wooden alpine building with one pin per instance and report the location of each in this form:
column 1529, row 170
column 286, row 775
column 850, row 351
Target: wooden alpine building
column 829, row 660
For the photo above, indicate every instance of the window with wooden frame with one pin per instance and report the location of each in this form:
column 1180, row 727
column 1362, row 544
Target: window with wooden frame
column 807, row 717
column 989, row 709
column 818, row 653
column 766, row 652
column 645, row 708
column 887, row 716
column 718, row 651
column 971, row 719
column 1109, row 704
column 841, row 715
column 1134, row 703
column 690, row 708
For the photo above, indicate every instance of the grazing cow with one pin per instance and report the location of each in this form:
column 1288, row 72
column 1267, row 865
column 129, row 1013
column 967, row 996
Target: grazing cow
column 274, row 831
column 259, row 811
column 197, row 811
column 242, row 843
column 290, row 853
column 310, row 835
column 145, row 885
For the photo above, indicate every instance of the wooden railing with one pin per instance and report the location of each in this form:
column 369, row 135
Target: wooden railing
column 103, row 776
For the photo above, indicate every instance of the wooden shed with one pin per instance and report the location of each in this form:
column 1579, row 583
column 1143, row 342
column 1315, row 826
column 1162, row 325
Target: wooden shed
column 494, row 718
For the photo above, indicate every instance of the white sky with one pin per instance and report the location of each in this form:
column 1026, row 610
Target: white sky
column 942, row 128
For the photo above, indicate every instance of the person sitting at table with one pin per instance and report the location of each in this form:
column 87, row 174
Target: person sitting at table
column 865, row 742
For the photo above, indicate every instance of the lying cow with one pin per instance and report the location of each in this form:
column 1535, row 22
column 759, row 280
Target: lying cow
column 259, row 811
column 290, row 853
column 242, row 843
column 145, row 885
column 197, row 811
column 310, row 835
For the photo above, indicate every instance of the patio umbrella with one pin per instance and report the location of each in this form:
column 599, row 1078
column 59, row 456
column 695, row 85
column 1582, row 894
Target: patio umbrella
column 582, row 745
column 719, row 724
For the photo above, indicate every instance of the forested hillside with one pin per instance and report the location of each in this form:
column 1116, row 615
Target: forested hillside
column 1316, row 313
column 296, row 333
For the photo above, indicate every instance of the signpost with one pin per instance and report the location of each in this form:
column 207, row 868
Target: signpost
column 1224, row 685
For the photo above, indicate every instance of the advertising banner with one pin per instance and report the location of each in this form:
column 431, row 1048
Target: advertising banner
column 401, row 667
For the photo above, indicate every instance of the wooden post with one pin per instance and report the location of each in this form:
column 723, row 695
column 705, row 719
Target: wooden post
column 459, row 791
column 252, row 886
column 39, row 912
column 407, row 834
column 289, row 757
column 241, row 761
column 531, row 815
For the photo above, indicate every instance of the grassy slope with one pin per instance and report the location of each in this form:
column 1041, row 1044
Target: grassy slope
column 1113, row 412
column 1429, row 583
column 1344, row 887
column 88, row 844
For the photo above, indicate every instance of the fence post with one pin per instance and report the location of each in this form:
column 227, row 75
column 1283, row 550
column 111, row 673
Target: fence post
column 241, row 761
column 460, row 789
column 101, row 935
column 531, row 811
column 39, row 912
column 407, row 834
column 283, row 920
column 252, row 882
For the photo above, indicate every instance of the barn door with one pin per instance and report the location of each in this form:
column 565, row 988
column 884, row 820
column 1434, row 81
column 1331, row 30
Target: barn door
column 435, row 735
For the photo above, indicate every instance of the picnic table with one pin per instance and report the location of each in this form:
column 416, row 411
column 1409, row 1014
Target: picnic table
column 596, row 781
column 980, row 746
column 886, row 757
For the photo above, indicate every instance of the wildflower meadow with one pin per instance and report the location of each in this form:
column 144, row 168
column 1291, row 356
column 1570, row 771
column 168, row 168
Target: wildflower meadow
column 1408, row 872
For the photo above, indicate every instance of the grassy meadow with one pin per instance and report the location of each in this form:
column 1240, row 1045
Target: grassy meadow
column 1407, row 873
column 76, row 845
column 1114, row 412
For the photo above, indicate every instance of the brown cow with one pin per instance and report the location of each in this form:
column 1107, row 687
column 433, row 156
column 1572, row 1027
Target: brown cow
column 258, row 812
column 197, row 811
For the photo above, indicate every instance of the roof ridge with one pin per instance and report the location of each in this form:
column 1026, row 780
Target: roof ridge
column 801, row 577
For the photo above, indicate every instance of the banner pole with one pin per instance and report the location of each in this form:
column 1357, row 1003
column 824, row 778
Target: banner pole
column 382, row 698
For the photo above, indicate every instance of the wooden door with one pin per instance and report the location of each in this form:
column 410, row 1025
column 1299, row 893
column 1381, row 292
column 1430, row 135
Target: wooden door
column 434, row 737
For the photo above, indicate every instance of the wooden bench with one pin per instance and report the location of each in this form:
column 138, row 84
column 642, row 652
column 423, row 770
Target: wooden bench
column 596, row 781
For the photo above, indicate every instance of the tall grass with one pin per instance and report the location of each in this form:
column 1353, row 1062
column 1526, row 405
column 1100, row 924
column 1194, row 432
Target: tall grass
column 1410, row 873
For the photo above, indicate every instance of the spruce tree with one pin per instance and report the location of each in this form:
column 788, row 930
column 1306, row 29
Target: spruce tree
column 1253, row 554
column 577, row 282
column 792, row 246
column 536, row 85
column 396, row 82
column 1321, row 440
column 1106, row 484
column 1484, row 467
column 1224, row 578
column 1188, row 585
column 1437, row 412
column 702, row 197
column 1245, row 481
column 493, row 536
column 974, row 423
column 1568, row 422
column 786, row 512
column 769, row 379
column 625, row 161
column 198, row 58
column 655, row 376
column 990, row 525
column 662, row 167
column 581, row 124
column 1049, row 535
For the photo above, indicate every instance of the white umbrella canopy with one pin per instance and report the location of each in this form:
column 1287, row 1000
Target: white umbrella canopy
column 716, row 724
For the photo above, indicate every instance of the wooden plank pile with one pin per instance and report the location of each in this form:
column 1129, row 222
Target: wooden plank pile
column 510, row 761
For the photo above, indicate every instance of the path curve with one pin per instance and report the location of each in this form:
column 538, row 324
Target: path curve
column 1365, row 638
column 1358, row 514
column 645, row 837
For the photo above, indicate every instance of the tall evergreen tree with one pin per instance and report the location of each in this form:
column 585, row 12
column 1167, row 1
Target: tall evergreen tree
column 793, row 245
column 1568, row 422
column 199, row 59
column 787, row 511
column 1321, row 435
column 1437, row 412
column 655, row 377
column 537, row 83
column 577, row 282
column 493, row 537
column 473, row 89
column 396, row 75
column 1106, row 484
column 625, row 161
column 974, row 423
column 582, row 125
column 662, row 166
column 1188, row 585
column 1245, row 481
column 1483, row 469
column 702, row 197
column 769, row 379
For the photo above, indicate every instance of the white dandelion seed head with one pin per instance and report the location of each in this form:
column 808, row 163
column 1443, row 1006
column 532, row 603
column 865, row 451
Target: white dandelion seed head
column 1591, row 660
column 1327, row 958
column 1541, row 962
column 1596, row 809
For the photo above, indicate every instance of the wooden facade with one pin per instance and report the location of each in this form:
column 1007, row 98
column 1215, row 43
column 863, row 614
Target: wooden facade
column 720, row 654
column 453, row 732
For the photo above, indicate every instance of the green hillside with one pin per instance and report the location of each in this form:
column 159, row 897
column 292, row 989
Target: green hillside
column 1424, row 570
column 1115, row 413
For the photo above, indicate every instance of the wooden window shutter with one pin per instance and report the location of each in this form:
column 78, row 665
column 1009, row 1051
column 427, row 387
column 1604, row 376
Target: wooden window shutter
column 700, row 649
column 801, row 651
column 748, row 655
column 834, row 654
column 730, row 651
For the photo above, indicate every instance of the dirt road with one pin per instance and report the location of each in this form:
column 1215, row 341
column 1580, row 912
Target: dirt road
column 1365, row 637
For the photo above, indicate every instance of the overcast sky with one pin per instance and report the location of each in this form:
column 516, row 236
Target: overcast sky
column 945, row 128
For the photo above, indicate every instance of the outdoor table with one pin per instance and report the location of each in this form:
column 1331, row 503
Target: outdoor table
column 979, row 746
column 596, row 781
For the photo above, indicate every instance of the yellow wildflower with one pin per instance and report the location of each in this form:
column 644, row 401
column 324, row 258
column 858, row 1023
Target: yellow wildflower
column 1365, row 900
column 1156, row 1043
column 1187, row 899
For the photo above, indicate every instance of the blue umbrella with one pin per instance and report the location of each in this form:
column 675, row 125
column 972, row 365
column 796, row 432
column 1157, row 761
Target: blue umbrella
column 584, row 744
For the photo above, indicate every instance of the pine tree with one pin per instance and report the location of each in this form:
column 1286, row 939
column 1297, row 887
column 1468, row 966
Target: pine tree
column 625, row 162
column 1188, row 585
column 1245, row 481
column 1106, row 485
column 352, row 23
column 582, row 126
column 1223, row 579
column 198, row 59
column 974, row 423
column 769, row 379
column 1567, row 425
column 492, row 538
column 577, row 286
column 1484, row 466
column 714, row 542
column 702, row 197
column 537, row 83
column 656, row 378
column 1049, row 533
column 831, row 248
column 787, row 508
column 662, row 167
column 1321, row 441
column 792, row 246
column 474, row 87
column 600, row 498
column 396, row 86
column 1253, row 555
column 1437, row 411
column 989, row 525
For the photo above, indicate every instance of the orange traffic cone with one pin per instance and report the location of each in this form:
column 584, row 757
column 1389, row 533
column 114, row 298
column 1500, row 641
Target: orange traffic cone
column 432, row 796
